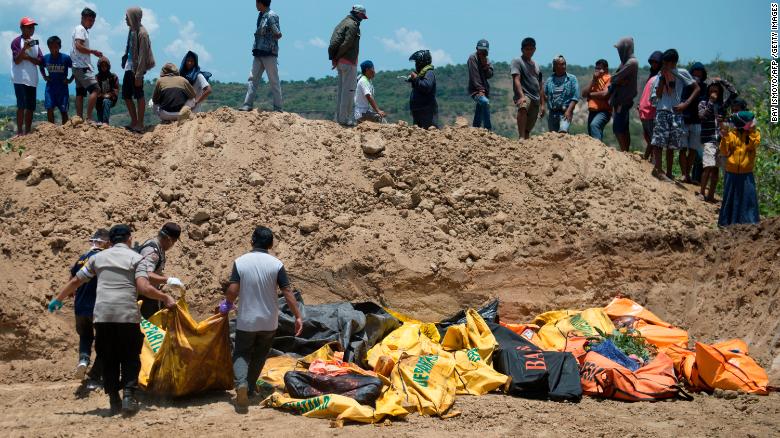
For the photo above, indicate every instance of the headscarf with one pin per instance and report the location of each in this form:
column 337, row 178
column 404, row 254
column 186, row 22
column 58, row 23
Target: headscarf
column 656, row 56
column 100, row 73
column 192, row 75
column 743, row 120
column 169, row 69
column 698, row 66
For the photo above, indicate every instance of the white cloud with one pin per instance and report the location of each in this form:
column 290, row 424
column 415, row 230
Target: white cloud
column 59, row 18
column 318, row 43
column 408, row 41
column 187, row 41
column 564, row 5
column 149, row 20
column 627, row 3
column 6, row 37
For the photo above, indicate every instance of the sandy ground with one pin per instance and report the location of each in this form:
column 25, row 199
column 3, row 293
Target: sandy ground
column 52, row 410
column 435, row 222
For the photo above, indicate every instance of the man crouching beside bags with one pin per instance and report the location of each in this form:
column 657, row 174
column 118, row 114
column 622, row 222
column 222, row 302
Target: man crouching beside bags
column 118, row 339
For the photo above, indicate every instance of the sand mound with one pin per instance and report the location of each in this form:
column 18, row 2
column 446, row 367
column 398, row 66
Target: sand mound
column 409, row 217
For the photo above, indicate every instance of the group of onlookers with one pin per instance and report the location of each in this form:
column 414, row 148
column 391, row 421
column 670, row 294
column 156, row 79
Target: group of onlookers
column 680, row 110
column 101, row 88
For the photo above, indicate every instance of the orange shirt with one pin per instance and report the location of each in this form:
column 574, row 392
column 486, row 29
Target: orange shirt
column 601, row 104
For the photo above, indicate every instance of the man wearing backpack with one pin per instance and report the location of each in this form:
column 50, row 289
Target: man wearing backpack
column 153, row 253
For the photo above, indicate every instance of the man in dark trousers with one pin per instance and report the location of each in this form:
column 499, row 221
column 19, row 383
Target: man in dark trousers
column 118, row 337
column 480, row 70
column 255, row 278
column 84, row 306
column 343, row 54
column 623, row 90
column 153, row 253
column 422, row 102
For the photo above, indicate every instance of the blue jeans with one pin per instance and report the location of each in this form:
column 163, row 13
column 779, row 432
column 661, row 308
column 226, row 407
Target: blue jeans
column 482, row 113
column 556, row 122
column 104, row 110
column 597, row 120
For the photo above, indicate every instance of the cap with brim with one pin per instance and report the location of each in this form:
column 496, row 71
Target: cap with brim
column 360, row 9
column 27, row 21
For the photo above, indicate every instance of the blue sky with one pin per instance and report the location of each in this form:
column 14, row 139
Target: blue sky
column 583, row 31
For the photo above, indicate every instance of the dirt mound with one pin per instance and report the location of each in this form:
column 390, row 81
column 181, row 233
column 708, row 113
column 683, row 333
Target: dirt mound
column 420, row 220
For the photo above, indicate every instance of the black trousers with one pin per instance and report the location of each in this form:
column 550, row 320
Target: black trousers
column 425, row 118
column 119, row 346
column 85, row 329
column 149, row 307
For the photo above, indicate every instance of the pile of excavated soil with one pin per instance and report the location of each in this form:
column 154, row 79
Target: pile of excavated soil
column 427, row 222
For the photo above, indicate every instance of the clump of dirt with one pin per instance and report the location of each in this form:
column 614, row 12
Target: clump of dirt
column 421, row 220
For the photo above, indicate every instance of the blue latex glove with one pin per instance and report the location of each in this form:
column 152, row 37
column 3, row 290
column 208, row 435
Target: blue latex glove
column 54, row 305
column 225, row 306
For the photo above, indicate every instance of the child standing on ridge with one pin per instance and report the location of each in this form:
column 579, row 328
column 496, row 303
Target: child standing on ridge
column 58, row 65
column 26, row 55
column 599, row 111
column 738, row 145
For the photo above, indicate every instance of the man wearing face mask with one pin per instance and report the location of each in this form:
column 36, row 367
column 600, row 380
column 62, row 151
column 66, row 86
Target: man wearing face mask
column 422, row 102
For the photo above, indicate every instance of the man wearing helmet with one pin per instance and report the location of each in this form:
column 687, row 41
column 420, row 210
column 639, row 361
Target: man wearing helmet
column 422, row 102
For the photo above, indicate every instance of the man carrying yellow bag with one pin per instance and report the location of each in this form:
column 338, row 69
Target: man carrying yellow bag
column 255, row 277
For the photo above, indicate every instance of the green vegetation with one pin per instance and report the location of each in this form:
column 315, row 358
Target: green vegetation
column 314, row 98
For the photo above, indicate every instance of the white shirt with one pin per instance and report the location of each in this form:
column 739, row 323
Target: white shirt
column 200, row 84
column 26, row 73
column 80, row 60
column 364, row 86
column 258, row 306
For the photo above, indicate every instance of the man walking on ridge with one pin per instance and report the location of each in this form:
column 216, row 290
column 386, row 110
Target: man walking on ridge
column 343, row 54
column 266, row 54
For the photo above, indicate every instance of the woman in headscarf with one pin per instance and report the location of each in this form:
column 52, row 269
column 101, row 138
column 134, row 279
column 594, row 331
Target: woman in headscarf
column 190, row 70
column 108, row 90
column 172, row 93
column 738, row 145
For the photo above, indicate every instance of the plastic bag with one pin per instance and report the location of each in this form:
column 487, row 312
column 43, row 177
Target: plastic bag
column 193, row 357
column 605, row 378
column 552, row 335
column 474, row 334
column 426, row 383
column 364, row 389
column 338, row 407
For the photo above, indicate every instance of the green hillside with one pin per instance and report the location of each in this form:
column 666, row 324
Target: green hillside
column 314, row 98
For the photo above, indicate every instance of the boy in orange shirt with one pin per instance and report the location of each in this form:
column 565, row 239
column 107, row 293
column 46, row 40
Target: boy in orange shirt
column 599, row 111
